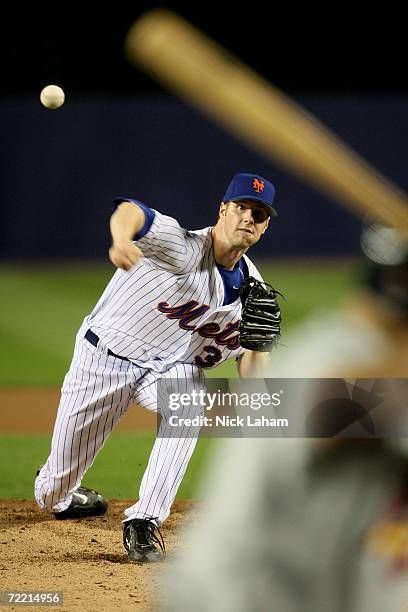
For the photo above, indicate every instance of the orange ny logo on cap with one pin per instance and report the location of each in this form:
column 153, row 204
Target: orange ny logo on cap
column 258, row 185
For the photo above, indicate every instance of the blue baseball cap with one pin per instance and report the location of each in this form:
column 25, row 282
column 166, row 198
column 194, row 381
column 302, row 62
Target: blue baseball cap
column 251, row 187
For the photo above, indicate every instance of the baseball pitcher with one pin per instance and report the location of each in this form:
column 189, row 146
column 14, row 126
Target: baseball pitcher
column 180, row 302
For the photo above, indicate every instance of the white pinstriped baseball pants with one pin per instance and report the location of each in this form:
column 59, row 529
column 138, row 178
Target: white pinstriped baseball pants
column 96, row 392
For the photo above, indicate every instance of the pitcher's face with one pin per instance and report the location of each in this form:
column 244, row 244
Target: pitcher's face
column 244, row 222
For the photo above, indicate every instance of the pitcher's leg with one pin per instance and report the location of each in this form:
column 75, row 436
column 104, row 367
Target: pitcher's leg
column 170, row 454
column 167, row 465
column 96, row 392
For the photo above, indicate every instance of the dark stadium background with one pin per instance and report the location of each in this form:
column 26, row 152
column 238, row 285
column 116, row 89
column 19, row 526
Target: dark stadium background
column 301, row 48
column 120, row 133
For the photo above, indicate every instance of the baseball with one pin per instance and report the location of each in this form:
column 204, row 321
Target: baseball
column 52, row 96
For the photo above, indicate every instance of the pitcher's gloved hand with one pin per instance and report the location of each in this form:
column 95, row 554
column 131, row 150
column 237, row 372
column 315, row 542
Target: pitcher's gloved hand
column 261, row 316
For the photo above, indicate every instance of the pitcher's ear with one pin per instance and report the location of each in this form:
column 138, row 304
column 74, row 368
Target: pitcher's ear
column 223, row 208
column 267, row 225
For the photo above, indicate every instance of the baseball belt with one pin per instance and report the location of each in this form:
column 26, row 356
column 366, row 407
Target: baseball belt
column 94, row 339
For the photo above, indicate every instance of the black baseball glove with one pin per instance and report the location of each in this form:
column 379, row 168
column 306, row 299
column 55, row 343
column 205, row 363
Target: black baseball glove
column 259, row 329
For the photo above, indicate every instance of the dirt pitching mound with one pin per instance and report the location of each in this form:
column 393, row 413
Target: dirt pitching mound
column 84, row 559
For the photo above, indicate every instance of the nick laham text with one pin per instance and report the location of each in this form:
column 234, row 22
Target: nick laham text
column 227, row 421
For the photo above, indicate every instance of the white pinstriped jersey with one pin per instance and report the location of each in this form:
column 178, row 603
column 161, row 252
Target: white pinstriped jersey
column 169, row 307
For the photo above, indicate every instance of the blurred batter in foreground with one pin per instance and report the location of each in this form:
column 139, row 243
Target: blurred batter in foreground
column 314, row 525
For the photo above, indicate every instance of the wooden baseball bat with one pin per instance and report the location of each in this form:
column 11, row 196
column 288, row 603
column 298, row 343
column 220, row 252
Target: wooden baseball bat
column 201, row 71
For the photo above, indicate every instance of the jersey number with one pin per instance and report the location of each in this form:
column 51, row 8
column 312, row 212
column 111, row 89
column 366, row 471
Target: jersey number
column 214, row 355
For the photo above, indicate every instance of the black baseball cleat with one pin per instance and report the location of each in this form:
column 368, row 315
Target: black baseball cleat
column 140, row 539
column 84, row 503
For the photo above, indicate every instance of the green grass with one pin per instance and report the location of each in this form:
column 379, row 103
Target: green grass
column 116, row 472
column 42, row 307
column 41, row 310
